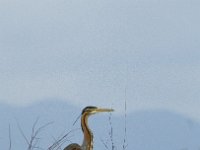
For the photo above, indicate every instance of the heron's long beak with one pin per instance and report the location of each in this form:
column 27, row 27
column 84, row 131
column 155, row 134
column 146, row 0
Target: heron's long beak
column 103, row 110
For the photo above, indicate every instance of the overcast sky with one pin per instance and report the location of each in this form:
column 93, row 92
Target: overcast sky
column 89, row 52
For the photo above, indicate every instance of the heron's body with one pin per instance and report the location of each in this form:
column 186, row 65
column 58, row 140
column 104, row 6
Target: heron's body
column 73, row 146
column 88, row 136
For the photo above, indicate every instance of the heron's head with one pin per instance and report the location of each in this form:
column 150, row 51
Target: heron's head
column 89, row 110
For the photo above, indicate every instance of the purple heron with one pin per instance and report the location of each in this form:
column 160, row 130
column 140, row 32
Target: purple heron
column 88, row 136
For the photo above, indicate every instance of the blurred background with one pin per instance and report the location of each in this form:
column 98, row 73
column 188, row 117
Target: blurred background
column 57, row 57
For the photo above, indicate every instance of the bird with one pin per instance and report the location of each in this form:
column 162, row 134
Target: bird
column 88, row 135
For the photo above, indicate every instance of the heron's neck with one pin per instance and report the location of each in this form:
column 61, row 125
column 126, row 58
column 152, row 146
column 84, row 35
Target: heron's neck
column 88, row 136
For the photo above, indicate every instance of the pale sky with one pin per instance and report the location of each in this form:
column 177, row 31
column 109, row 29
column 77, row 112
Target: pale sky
column 88, row 52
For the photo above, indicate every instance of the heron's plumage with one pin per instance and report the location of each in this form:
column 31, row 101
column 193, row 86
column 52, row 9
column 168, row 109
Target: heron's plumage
column 88, row 136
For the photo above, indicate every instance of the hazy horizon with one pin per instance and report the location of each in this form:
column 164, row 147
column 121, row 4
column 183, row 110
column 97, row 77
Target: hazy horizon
column 74, row 53
column 146, row 130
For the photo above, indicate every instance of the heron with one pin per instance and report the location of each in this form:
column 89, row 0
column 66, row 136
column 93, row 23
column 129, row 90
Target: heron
column 88, row 135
